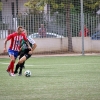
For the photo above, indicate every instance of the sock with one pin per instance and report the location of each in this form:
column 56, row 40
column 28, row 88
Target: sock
column 8, row 69
column 16, row 69
column 12, row 66
column 20, row 72
column 21, row 67
column 23, row 64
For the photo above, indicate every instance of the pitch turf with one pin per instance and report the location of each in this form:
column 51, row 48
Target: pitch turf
column 53, row 78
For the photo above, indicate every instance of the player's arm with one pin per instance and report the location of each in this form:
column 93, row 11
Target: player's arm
column 5, row 42
column 25, row 38
column 34, row 46
column 28, row 45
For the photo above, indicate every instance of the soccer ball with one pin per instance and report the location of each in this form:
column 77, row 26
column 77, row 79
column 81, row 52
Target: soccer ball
column 27, row 73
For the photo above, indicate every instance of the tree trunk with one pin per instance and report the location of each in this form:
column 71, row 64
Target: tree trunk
column 68, row 24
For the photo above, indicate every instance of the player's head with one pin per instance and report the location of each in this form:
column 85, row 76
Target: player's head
column 42, row 25
column 24, row 31
column 19, row 29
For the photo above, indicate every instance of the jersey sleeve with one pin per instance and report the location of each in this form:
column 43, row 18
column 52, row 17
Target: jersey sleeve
column 31, row 40
column 10, row 36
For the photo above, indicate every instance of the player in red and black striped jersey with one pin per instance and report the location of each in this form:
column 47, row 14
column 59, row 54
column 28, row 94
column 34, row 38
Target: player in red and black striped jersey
column 14, row 47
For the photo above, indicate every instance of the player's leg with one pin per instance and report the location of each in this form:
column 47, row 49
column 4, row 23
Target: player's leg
column 22, row 62
column 17, row 65
column 12, row 61
column 13, row 55
column 16, row 69
column 21, row 67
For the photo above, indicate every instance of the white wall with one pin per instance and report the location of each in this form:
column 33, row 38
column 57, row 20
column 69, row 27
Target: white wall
column 89, row 45
column 54, row 44
column 50, row 44
column 7, row 11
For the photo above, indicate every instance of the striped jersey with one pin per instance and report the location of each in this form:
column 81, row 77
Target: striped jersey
column 31, row 41
column 24, row 45
column 16, row 40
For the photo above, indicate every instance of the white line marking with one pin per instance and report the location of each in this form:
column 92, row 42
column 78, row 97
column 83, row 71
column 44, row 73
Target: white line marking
column 54, row 64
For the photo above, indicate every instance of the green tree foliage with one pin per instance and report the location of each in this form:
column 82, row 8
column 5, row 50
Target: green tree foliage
column 34, row 6
column 38, row 5
column 91, row 6
column 1, row 6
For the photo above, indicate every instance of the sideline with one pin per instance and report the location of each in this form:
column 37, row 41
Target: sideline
column 3, row 63
column 54, row 55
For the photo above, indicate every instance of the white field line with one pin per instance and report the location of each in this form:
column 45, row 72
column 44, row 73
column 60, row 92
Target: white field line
column 54, row 64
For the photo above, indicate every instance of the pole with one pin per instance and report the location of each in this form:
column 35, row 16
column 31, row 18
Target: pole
column 82, row 26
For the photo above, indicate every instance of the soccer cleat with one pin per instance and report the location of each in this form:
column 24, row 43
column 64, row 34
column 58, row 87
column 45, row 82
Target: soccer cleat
column 20, row 75
column 12, row 74
column 15, row 72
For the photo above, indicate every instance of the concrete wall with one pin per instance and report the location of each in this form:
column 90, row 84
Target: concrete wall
column 89, row 45
column 55, row 44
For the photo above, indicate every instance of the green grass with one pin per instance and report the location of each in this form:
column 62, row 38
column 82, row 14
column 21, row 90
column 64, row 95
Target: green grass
column 53, row 78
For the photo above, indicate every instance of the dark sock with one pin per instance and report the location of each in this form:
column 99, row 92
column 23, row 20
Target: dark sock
column 16, row 69
column 23, row 64
column 21, row 67
column 20, row 72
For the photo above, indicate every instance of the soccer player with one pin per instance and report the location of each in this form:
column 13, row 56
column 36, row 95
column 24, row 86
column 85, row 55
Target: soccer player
column 14, row 48
column 25, row 53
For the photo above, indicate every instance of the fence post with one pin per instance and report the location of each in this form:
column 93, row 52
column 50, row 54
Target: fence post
column 82, row 26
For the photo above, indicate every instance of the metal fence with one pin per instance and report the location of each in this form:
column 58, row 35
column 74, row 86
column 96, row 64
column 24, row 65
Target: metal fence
column 55, row 25
column 61, row 18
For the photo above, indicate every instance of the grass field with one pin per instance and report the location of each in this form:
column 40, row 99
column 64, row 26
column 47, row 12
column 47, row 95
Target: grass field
column 53, row 78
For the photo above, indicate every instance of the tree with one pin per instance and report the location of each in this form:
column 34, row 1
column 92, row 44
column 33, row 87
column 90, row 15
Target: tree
column 68, row 22
column 56, row 5
column 1, row 6
column 91, row 6
column 34, row 6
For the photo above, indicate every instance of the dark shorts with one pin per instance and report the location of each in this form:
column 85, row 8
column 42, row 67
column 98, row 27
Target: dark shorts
column 27, row 56
column 24, row 53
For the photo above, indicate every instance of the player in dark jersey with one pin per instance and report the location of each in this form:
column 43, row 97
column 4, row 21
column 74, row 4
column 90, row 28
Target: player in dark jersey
column 24, row 53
